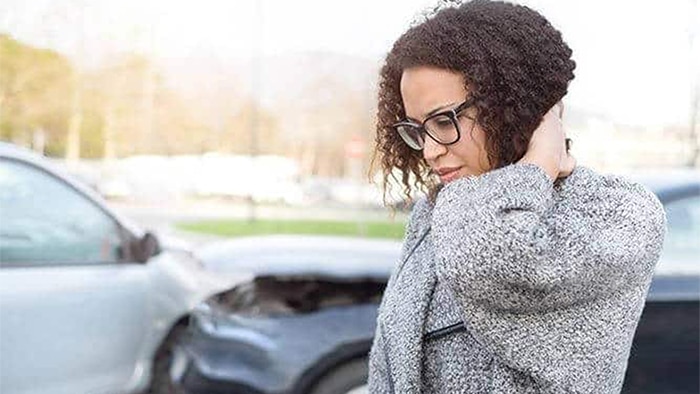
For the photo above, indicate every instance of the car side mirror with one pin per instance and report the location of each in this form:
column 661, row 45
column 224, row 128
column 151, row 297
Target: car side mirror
column 145, row 247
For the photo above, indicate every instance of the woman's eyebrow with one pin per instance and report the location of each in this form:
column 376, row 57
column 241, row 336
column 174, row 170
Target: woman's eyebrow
column 438, row 109
column 432, row 112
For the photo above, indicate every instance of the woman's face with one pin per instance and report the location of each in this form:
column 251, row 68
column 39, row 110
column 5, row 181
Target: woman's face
column 426, row 90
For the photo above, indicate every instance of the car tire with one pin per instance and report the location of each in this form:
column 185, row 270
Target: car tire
column 161, row 383
column 346, row 378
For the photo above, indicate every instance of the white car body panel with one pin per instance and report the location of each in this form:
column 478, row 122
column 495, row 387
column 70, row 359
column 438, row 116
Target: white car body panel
column 69, row 328
column 94, row 329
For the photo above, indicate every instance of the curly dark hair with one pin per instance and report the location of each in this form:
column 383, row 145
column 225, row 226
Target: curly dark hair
column 515, row 65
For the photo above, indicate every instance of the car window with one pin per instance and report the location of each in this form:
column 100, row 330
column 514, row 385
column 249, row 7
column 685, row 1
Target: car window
column 47, row 222
column 682, row 244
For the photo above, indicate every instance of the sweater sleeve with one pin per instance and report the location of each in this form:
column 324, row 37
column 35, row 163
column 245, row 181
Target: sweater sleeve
column 378, row 377
column 505, row 241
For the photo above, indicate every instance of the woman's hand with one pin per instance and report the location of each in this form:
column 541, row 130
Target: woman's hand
column 547, row 147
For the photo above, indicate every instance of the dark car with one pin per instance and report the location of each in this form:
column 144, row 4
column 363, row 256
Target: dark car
column 305, row 324
column 665, row 356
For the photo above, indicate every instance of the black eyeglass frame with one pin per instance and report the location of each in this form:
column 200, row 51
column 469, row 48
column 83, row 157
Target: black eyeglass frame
column 452, row 114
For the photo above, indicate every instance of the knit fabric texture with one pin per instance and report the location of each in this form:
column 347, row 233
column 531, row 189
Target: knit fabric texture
column 549, row 279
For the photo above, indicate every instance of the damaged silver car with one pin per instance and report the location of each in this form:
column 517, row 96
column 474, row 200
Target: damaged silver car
column 303, row 325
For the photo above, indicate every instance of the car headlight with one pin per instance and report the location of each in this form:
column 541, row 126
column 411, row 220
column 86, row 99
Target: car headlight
column 205, row 316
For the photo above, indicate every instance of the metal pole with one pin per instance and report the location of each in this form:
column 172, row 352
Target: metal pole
column 256, row 87
column 693, row 136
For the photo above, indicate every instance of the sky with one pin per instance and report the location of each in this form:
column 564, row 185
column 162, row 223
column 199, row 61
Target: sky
column 635, row 61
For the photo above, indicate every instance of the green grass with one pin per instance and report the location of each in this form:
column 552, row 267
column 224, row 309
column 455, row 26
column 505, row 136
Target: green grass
column 236, row 228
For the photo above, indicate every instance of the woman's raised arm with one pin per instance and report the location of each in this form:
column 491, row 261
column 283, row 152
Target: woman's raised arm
column 506, row 240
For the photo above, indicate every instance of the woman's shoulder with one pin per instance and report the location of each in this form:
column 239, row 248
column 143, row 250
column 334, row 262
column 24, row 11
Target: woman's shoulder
column 420, row 213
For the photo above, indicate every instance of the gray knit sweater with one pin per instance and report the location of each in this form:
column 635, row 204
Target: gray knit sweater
column 549, row 280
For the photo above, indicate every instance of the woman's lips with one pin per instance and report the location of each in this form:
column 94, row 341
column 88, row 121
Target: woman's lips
column 448, row 174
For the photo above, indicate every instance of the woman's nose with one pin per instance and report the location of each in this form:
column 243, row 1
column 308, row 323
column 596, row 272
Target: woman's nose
column 432, row 150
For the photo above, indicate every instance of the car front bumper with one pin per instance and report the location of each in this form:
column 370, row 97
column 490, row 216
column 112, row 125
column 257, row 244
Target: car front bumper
column 270, row 354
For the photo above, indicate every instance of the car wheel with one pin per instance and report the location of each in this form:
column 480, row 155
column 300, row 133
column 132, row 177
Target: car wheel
column 161, row 383
column 348, row 378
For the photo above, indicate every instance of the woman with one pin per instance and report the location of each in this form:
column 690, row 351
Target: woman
column 521, row 272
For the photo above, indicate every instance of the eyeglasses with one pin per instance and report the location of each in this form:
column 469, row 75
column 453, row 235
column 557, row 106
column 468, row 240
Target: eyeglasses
column 443, row 127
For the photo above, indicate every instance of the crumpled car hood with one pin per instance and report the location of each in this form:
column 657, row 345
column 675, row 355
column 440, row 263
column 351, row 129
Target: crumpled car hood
column 341, row 257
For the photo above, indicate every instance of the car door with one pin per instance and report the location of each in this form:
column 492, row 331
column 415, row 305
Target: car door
column 72, row 313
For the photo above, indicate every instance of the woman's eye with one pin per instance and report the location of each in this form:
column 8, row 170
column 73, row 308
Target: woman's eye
column 442, row 122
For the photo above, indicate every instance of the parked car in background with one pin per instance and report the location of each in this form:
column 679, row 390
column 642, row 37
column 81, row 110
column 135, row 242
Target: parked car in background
column 305, row 322
column 665, row 356
column 86, row 297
